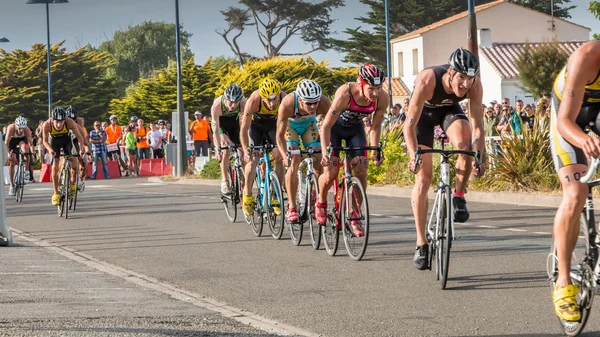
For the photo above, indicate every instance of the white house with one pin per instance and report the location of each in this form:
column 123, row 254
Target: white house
column 501, row 21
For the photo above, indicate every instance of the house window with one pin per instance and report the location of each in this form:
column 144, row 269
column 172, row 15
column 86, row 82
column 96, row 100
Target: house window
column 415, row 61
column 400, row 64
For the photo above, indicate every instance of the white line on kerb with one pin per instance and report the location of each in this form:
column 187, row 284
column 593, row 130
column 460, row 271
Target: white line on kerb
column 145, row 281
column 486, row 226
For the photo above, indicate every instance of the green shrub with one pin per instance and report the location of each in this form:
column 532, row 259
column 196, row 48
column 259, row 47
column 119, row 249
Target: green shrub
column 211, row 170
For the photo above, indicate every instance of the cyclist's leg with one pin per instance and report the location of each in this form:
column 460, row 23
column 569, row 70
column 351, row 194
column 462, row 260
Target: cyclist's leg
column 224, row 157
column 457, row 128
column 271, row 136
column 27, row 159
column 256, row 138
column 291, row 175
column 358, row 159
column 12, row 162
column 310, row 139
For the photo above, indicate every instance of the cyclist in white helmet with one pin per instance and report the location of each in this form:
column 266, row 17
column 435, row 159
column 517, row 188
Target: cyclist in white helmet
column 226, row 127
column 18, row 139
column 297, row 121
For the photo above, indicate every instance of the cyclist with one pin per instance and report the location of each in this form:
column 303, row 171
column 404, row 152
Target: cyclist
column 352, row 103
column 226, row 126
column 297, row 121
column 81, row 168
column 18, row 138
column 259, row 123
column 435, row 101
column 575, row 106
column 56, row 136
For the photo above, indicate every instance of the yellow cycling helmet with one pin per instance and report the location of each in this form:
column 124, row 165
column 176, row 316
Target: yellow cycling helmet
column 269, row 88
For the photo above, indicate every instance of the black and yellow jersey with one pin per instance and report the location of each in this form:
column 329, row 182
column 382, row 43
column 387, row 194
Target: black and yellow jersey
column 265, row 113
column 54, row 133
column 592, row 90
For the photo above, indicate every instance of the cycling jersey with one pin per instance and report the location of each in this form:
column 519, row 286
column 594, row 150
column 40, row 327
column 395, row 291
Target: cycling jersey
column 441, row 109
column 16, row 140
column 58, row 133
column 229, row 113
column 355, row 113
column 302, row 126
column 229, row 123
column 264, row 125
column 264, row 113
column 563, row 152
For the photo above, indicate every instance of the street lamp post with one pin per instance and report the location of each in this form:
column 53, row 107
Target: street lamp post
column 387, row 51
column 181, row 139
column 47, row 3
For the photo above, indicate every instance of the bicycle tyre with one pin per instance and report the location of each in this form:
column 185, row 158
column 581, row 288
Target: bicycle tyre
column 301, row 192
column 229, row 199
column 18, row 181
column 67, row 188
column 276, row 222
column 581, row 270
column 445, row 239
column 315, row 230
column 73, row 201
column 356, row 250
column 331, row 234
column 256, row 220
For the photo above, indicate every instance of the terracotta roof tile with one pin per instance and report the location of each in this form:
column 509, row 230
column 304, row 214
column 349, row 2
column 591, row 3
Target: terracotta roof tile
column 398, row 87
column 502, row 56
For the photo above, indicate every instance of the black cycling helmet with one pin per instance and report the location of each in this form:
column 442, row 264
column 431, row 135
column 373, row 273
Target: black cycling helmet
column 464, row 62
column 59, row 114
column 371, row 74
column 234, row 93
column 71, row 112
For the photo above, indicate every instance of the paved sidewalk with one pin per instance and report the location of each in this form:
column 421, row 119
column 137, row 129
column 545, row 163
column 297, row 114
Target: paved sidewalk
column 44, row 293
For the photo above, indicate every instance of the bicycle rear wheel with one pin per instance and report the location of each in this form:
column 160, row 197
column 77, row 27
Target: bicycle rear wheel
column 331, row 234
column 357, row 211
column 73, row 200
column 229, row 199
column 276, row 221
column 311, row 195
column 67, row 188
column 444, row 236
column 256, row 220
column 581, row 274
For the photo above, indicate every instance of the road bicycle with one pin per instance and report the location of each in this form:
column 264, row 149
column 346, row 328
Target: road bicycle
column 269, row 201
column 20, row 173
column 306, row 197
column 80, row 184
column 64, row 185
column 350, row 207
column 584, row 262
column 440, row 227
column 235, row 177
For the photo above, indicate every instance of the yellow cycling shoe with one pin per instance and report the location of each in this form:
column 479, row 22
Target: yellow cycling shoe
column 276, row 208
column 565, row 303
column 248, row 205
column 73, row 190
column 55, row 199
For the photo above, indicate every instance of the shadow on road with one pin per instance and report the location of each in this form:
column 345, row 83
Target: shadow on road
column 499, row 281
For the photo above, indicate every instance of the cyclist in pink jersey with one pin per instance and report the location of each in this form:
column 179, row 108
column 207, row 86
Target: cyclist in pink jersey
column 352, row 103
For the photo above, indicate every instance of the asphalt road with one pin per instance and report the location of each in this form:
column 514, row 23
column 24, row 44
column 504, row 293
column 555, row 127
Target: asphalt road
column 180, row 236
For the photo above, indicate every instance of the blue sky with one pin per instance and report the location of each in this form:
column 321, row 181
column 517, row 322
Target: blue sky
column 93, row 21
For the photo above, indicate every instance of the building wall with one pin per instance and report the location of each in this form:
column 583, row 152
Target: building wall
column 407, row 52
column 511, row 89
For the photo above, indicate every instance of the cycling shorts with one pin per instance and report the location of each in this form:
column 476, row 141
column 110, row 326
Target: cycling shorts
column 354, row 135
column 305, row 129
column 563, row 152
column 263, row 131
column 432, row 117
column 14, row 144
column 64, row 143
column 230, row 126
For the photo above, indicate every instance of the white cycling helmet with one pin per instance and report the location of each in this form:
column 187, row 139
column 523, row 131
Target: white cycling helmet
column 21, row 122
column 309, row 90
column 113, row 117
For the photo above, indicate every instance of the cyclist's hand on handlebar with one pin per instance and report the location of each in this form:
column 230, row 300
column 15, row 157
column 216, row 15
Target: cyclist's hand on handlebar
column 377, row 160
column 218, row 154
column 591, row 147
column 414, row 168
column 247, row 158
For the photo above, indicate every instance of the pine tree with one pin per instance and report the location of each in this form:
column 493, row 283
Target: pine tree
column 538, row 66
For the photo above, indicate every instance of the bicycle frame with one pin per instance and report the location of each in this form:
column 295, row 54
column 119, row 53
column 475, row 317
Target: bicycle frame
column 264, row 182
column 443, row 184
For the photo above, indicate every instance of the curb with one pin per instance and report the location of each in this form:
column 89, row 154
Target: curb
column 521, row 199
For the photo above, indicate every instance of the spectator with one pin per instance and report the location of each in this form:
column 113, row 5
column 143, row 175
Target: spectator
column 490, row 123
column 515, row 122
column 200, row 131
column 155, row 141
column 39, row 133
column 519, row 106
column 104, row 125
column 493, row 104
column 528, row 116
column 143, row 150
column 395, row 120
column 130, row 146
column 404, row 109
column 4, row 133
column 506, row 103
column 162, row 125
column 503, row 116
column 114, row 133
column 98, row 141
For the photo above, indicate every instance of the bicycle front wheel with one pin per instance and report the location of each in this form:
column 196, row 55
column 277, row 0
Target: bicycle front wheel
column 229, row 199
column 73, row 200
column 275, row 209
column 256, row 220
column 444, row 236
column 311, row 195
column 581, row 274
column 19, row 181
column 355, row 220
column 331, row 234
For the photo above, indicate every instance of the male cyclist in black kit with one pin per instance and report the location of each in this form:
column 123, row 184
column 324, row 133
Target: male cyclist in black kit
column 435, row 101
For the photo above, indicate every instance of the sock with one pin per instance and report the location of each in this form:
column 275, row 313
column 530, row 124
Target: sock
column 459, row 194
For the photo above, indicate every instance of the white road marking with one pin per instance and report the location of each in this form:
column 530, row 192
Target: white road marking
column 97, row 186
column 151, row 184
column 515, row 230
column 542, row 233
column 147, row 282
column 41, row 189
column 487, row 226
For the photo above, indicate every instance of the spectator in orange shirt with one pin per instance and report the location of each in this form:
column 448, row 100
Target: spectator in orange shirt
column 113, row 134
column 143, row 149
column 200, row 132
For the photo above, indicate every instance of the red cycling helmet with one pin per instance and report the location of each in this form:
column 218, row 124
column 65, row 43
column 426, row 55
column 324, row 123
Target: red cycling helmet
column 371, row 74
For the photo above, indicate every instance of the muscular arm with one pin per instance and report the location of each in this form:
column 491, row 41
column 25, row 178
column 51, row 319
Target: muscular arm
column 424, row 87
column 286, row 110
column 75, row 128
column 324, row 106
column 340, row 102
column 10, row 131
column 215, row 112
column 475, row 96
column 29, row 136
column 252, row 105
column 382, row 104
column 45, row 135
column 583, row 66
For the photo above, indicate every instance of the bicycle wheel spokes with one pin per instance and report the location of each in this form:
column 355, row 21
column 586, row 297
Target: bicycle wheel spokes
column 229, row 199
column 256, row 220
column 331, row 234
column 275, row 210
column 355, row 220
column 315, row 230
column 67, row 192
column 445, row 236
column 581, row 274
